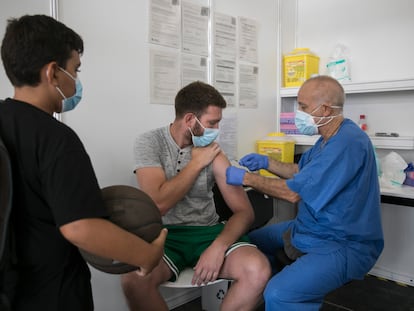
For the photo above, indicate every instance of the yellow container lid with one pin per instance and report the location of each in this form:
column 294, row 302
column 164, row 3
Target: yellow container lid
column 301, row 51
column 277, row 139
column 276, row 134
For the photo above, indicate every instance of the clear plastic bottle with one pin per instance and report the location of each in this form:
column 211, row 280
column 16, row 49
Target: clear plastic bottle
column 363, row 122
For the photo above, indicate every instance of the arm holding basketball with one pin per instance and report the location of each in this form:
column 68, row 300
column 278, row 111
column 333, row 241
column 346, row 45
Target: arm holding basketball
column 105, row 239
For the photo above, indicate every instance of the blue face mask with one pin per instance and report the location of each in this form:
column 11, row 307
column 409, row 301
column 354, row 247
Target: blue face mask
column 306, row 124
column 70, row 103
column 207, row 138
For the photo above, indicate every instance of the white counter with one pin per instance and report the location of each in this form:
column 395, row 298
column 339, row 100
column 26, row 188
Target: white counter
column 401, row 192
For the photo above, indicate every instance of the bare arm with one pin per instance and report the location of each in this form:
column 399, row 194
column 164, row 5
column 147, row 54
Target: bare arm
column 209, row 265
column 237, row 200
column 105, row 239
column 166, row 193
column 284, row 170
column 274, row 187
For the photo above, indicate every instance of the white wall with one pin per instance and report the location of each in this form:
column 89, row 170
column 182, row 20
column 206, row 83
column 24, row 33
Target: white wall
column 115, row 73
column 377, row 35
column 254, row 124
column 13, row 8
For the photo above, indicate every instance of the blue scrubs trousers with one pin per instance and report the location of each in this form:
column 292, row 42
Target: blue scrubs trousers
column 303, row 284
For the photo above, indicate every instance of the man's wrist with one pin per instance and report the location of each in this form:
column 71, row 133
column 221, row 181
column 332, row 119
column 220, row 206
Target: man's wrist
column 221, row 245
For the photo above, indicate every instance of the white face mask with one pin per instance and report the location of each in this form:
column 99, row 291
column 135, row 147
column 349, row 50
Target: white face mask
column 305, row 122
column 207, row 138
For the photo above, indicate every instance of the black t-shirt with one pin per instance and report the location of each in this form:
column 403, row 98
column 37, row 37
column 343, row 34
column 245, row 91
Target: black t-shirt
column 54, row 184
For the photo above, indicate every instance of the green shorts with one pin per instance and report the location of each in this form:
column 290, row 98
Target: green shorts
column 185, row 244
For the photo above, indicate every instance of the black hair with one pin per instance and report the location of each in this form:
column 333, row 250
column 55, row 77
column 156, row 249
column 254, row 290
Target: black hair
column 32, row 41
column 196, row 97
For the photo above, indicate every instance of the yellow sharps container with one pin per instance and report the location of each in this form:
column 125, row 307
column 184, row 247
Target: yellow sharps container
column 298, row 66
column 277, row 146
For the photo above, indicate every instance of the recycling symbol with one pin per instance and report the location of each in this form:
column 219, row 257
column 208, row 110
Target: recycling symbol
column 220, row 294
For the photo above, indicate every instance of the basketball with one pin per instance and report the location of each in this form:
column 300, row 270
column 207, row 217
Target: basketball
column 132, row 210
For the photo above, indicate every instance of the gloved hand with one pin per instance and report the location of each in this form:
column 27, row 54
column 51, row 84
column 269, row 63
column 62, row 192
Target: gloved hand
column 255, row 161
column 235, row 175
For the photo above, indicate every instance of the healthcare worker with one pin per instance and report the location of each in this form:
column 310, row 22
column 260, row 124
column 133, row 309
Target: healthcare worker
column 337, row 235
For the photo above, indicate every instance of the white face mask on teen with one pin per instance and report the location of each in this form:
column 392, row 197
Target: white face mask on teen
column 207, row 138
column 305, row 122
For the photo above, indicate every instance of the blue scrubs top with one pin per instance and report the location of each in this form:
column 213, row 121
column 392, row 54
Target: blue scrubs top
column 340, row 199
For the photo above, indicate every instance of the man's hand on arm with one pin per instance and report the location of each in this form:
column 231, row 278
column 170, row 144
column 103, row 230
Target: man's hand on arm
column 167, row 192
column 274, row 187
column 235, row 175
column 203, row 156
column 255, row 162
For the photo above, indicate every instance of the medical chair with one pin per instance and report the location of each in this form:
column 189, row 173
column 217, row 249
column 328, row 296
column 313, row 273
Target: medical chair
column 213, row 293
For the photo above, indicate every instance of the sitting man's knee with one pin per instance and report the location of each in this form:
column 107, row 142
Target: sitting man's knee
column 258, row 271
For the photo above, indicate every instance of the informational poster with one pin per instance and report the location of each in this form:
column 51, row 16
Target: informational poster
column 193, row 68
column 225, row 80
column 248, row 85
column 195, row 19
column 228, row 135
column 164, row 76
column 193, row 46
column 247, row 40
column 165, row 23
column 225, row 36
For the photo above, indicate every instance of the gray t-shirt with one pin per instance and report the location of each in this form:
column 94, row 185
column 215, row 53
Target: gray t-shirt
column 157, row 148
